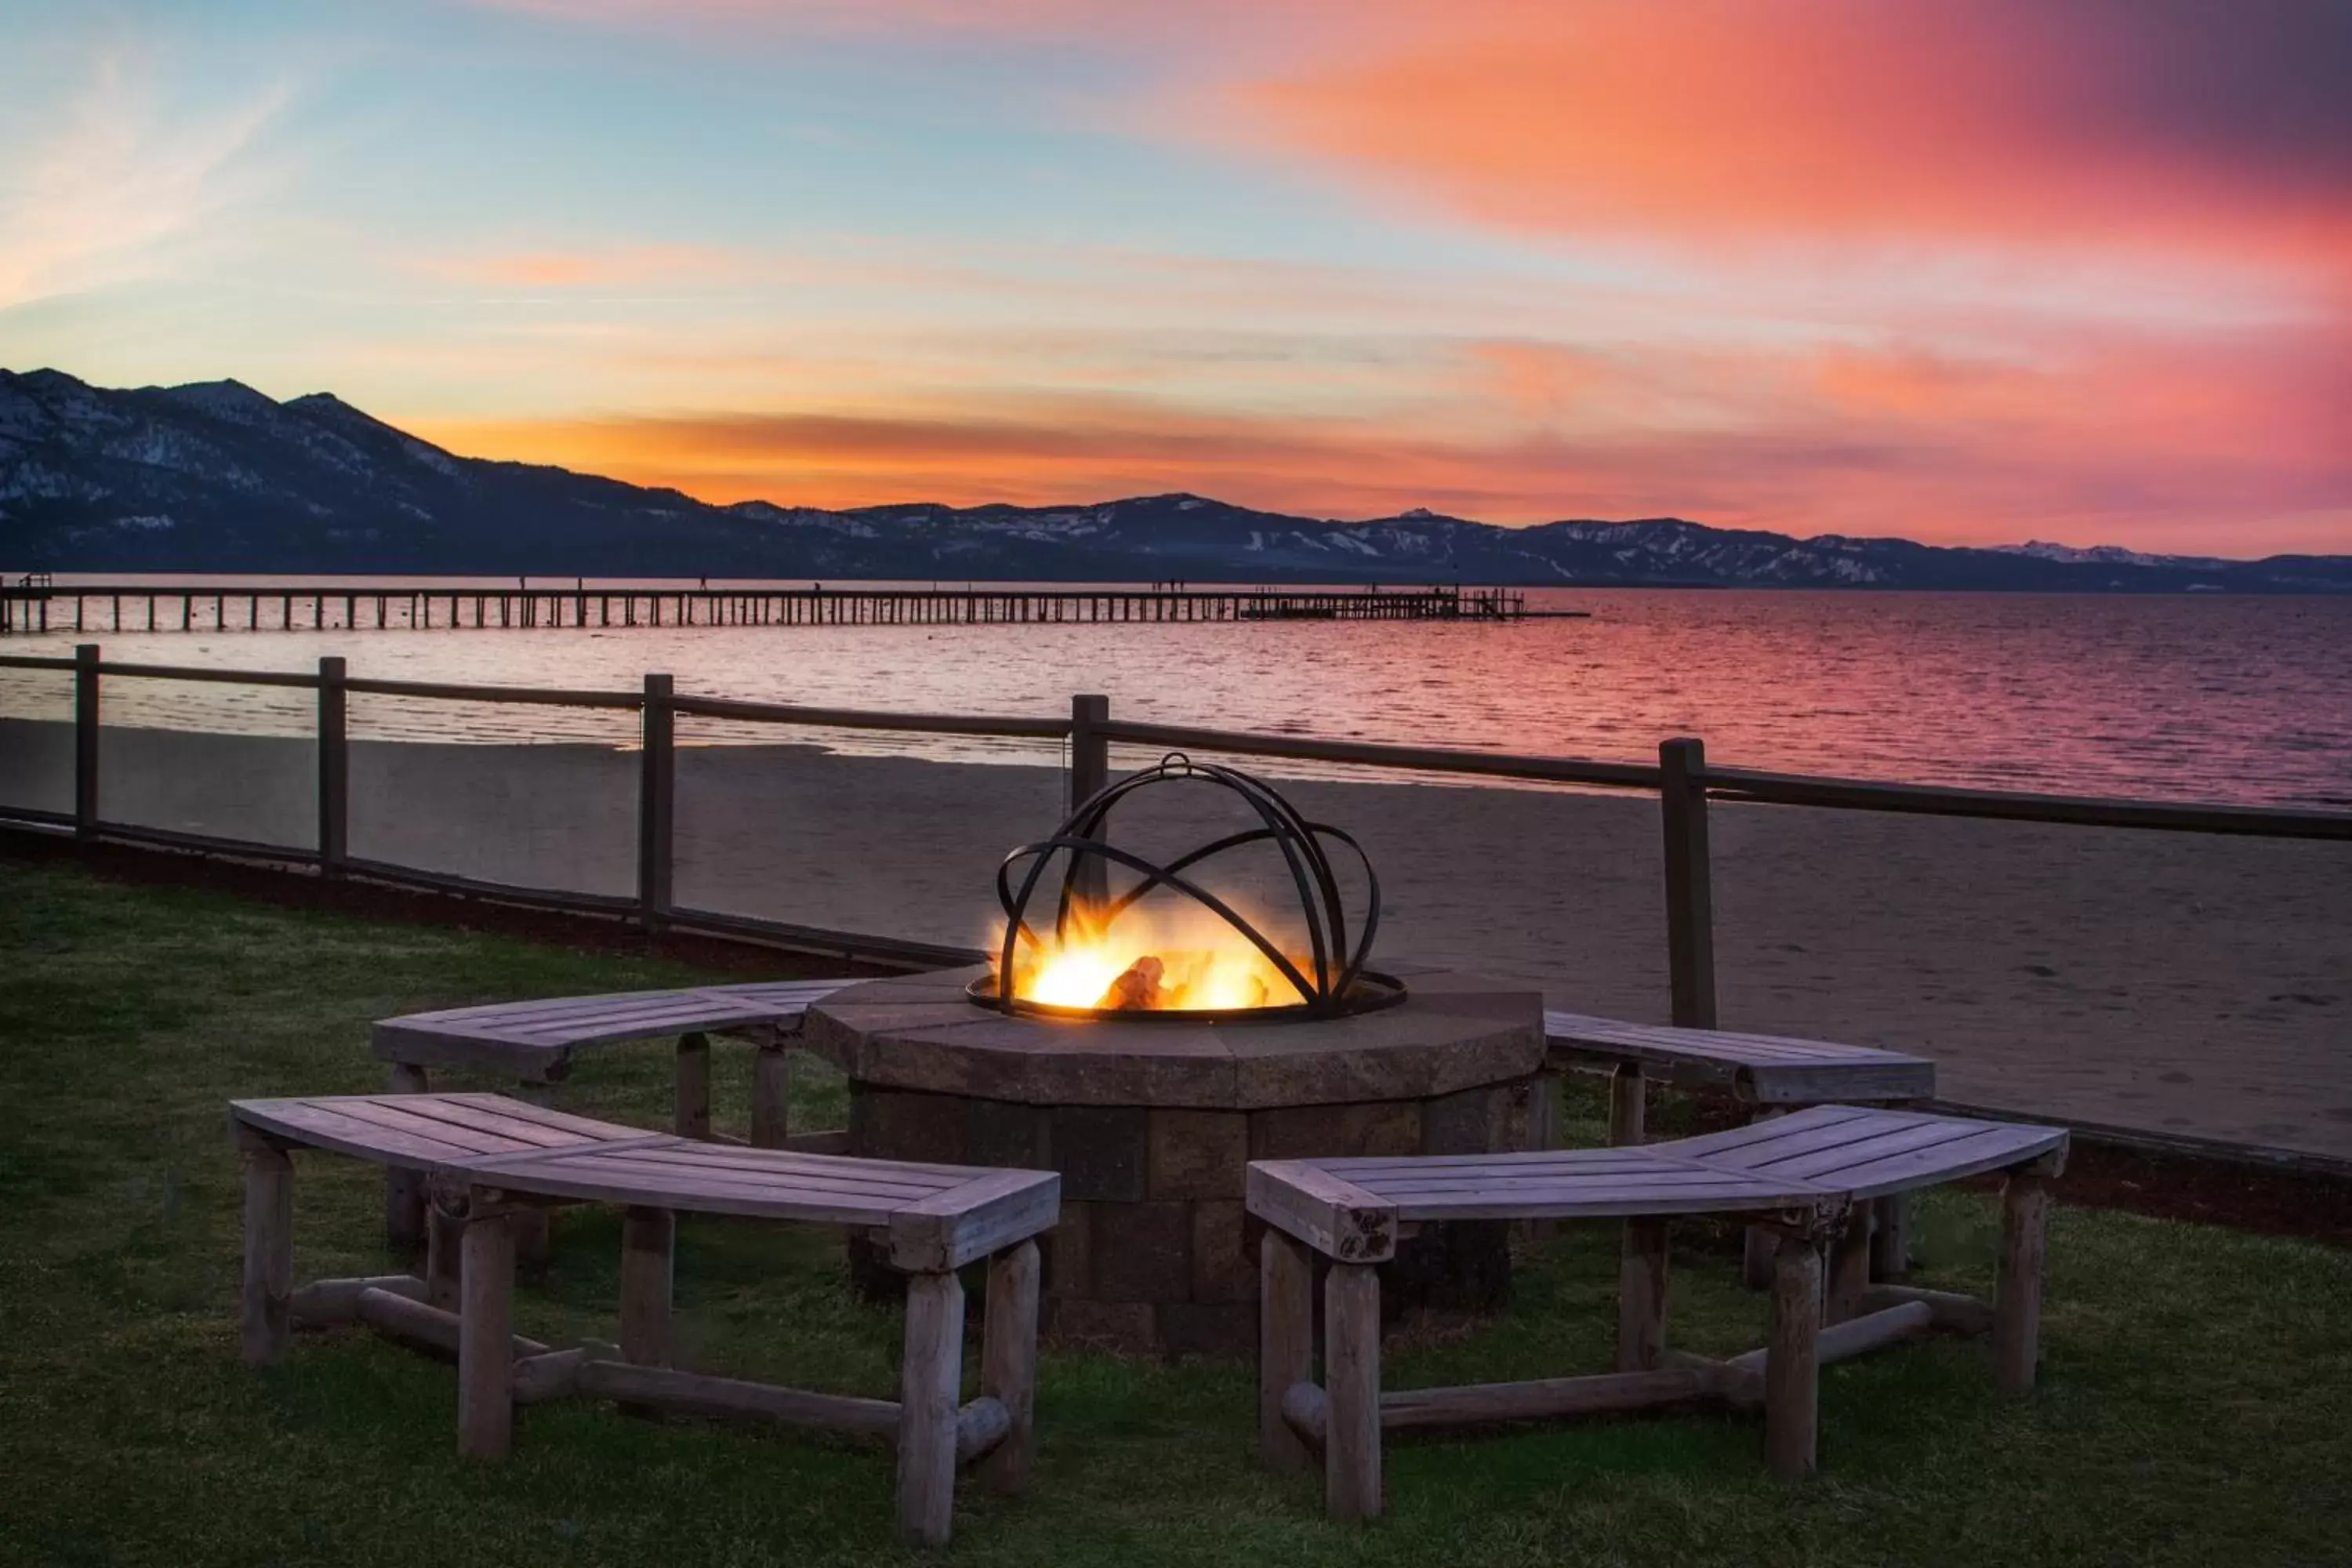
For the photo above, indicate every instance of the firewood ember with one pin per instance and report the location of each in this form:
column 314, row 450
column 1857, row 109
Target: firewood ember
column 1137, row 987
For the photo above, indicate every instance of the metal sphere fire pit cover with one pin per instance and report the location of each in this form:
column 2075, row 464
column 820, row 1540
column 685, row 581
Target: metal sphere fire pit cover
column 1150, row 1085
column 1234, row 968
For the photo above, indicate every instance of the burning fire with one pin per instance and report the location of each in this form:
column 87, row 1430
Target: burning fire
column 1147, row 963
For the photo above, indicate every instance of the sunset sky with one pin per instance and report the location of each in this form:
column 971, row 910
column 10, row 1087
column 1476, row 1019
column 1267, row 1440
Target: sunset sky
column 1966, row 270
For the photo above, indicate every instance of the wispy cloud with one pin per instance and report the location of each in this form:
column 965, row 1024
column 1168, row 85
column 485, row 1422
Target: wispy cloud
column 123, row 177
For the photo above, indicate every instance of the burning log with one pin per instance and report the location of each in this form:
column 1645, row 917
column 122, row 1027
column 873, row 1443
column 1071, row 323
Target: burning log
column 1137, row 987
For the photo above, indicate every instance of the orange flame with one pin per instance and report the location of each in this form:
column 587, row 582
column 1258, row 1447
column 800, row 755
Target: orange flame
column 1159, row 962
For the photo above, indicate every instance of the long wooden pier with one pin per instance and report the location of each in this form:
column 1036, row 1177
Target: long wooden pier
column 38, row 607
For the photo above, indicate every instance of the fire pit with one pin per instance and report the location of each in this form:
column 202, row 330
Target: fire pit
column 1144, row 1036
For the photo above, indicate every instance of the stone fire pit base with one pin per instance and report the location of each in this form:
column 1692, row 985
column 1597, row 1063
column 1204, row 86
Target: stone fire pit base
column 1151, row 1126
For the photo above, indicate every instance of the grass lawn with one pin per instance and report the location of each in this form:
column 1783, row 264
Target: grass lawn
column 2196, row 1404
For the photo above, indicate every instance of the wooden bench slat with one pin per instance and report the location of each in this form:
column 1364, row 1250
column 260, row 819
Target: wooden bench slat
column 744, row 1157
column 304, row 1123
column 590, row 1181
column 1823, row 1160
column 1997, row 1148
column 1522, row 1161
column 585, row 1128
column 390, row 1112
column 1708, row 1145
column 515, row 1131
column 649, row 1160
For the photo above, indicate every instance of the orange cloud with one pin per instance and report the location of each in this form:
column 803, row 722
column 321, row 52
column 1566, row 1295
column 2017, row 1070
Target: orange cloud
column 2102, row 438
column 2052, row 120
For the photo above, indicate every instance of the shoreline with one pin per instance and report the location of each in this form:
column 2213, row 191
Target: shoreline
column 2183, row 986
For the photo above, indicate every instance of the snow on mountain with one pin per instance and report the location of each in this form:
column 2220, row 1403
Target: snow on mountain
column 216, row 476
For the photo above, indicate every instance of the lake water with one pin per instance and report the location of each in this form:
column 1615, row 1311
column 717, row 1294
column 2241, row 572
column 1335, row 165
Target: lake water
column 2195, row 698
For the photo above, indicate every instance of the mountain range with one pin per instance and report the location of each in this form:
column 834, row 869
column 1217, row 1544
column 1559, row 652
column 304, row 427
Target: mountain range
column 216, row 476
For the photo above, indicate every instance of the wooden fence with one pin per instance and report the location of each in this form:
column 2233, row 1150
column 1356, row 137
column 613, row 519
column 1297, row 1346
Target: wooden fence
column 1682, row 778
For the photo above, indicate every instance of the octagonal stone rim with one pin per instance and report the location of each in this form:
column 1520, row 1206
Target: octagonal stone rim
column 1453, row 1032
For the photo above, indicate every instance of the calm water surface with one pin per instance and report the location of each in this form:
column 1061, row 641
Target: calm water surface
column 2220, row 699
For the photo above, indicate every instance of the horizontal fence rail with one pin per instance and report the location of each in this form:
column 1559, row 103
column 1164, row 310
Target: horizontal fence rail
column 1682, row 778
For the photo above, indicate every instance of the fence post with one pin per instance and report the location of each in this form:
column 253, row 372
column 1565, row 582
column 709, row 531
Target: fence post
column 1089, row 772
column 85, row 740
column 1690, row 901
column 656, row 803
column 334, row 768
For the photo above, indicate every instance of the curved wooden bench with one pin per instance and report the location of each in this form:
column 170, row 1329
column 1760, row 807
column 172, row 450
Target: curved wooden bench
column 1769, row 1074
column 534, row 1043
column 1810, row 1177
column 491, row 1160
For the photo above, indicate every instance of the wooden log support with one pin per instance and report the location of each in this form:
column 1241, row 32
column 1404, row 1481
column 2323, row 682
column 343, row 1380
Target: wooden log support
column 1008, row 1365
column 263, row 1319
column 399, row 1317
column 555, row 1375
column 983, row 1428
column 1627, row 1110
column 1542, row 1399
column 335, row 1304
column 1307, row 1413
column 404, row 1191
column 693, row 1106
column 772, row 1097
column 1792, row 1368
column 1890, row 1237
column 1351, row 1380
column 1641, row 1296
column 1950, row 1311
column 445, row 1235
column 1285, row 1345
column 1544, row 1110
column 649, row 1246
column 1856, row 1336
column 930, row 1380
column 1736, row 1383
column 485, row 1356
column 1849, row 1266
column 735, row 1399
column 2017, row 1297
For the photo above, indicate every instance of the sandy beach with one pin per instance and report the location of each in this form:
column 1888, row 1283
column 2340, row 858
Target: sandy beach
column 2170, row 984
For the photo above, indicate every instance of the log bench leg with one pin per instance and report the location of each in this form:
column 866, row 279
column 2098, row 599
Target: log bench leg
column 772, row 1097
column 404, row 1191
column 693, row 1103
column 263, row 1319
column 1627, row 1109
column 1285, row 1344
column 1761, row 1246
column 1849, row 1266
column 1890, row 1240
column 1642, row 1297
column 1793, row 1359
column 444, row 1239
column 1008, row 1364
column 1351, row 1385
column 531, row 1227
column 485, row 1331
column 648, row 1247
column 2017, row 1297
column 931, row 1386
